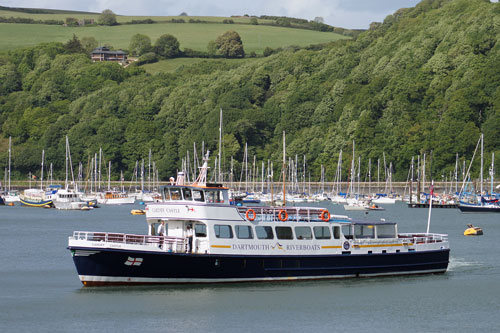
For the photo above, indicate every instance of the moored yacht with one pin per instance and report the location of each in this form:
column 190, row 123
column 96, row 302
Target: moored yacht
column 196, row 236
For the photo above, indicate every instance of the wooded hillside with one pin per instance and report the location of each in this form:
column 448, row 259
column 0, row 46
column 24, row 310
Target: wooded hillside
column 426, row 79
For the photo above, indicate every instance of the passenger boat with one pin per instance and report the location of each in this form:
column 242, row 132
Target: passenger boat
column 239, row 244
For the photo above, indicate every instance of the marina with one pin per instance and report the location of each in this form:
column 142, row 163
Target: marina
column 40, row 287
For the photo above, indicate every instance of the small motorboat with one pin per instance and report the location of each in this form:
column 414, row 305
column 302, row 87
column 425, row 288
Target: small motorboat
column 473, row 231
column 137, row 212
column 375, row 207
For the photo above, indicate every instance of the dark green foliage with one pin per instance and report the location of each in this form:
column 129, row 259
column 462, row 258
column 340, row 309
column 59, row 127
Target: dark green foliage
column 229, row 45
column 140, row 44
column 424, row 80
column 167, row 46
column 107, row 17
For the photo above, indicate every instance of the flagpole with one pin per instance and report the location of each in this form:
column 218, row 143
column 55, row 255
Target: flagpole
column 430, row 207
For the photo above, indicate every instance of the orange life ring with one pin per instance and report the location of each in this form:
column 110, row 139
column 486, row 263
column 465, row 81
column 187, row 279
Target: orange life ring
column 325, row 215
column 253, row 216
column 283, row 215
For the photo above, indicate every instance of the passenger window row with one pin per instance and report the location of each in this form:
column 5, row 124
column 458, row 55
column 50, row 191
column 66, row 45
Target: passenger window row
column 268, row 232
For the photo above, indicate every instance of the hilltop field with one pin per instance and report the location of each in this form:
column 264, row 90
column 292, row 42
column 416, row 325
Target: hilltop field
column 190, row 35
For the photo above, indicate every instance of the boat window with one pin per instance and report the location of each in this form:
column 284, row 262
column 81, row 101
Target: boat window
column 198, row 195
column 223, row 231
column 187, row 194
column 347, row 231
column 166, row 194
column 336, row 232
column 264, row 232
column 175, row 193
column 214, row 196
column 386, row 231
column 244, row 232
column 364, row 231
column 200, row 230
column 284, row 233
column 321, row 233
column 303, row 233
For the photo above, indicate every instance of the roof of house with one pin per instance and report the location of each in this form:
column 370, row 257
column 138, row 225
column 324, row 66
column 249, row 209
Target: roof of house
column 105, row 50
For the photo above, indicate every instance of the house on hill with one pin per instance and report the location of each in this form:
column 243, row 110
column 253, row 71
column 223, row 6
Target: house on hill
column 103, row 53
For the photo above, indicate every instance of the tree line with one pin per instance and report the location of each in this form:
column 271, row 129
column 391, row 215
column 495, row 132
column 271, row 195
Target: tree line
column 423, row 81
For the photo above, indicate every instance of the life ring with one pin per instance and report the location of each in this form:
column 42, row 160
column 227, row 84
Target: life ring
column 252, row 216
column 283, row 215
column 325, row 215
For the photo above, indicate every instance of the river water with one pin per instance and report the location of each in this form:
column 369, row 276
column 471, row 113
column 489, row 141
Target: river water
column 40, row 290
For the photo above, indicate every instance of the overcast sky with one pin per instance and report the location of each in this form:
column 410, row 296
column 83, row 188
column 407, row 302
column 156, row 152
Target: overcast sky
column 352, row 14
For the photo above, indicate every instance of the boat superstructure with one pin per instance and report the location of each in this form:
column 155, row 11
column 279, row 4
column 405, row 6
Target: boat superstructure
column 195, row 235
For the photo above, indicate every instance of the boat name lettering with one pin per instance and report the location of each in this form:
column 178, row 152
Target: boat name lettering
column 165, row 210
column 265, row 247
column 256, row 247
column 302, row 247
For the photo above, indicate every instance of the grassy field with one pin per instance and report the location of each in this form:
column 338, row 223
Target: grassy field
column 194, row 36
column 171, row 65
column 122, row 19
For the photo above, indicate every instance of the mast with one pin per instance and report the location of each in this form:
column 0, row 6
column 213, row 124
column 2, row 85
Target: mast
column 481, row 171
column 284, row 169
column 10, row 152
column 41, row 177
column 220, row 147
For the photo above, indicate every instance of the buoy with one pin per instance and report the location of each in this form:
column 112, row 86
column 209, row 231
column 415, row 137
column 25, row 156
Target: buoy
column 137, row 212
column 10, row 204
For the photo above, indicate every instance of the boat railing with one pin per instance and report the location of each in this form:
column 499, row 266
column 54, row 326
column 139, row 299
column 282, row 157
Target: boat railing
column 293, row 214
column 422, row 238
column 166, row 243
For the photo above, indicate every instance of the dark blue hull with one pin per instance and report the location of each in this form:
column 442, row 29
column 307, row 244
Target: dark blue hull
column 119, row 267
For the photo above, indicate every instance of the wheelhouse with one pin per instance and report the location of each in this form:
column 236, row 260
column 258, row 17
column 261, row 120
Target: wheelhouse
column 210, row 194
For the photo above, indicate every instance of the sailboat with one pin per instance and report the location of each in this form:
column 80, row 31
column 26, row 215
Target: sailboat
column 38, row 197
column 67, row 199
column 478, row 204
column 12, row 195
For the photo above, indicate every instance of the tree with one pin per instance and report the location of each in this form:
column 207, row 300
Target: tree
column 89, row 44
column 212, row 48
column 319, row 19
column 229, row 44
column 167, row 46
column 74, row 45
column 139, row 44
column 107, row 17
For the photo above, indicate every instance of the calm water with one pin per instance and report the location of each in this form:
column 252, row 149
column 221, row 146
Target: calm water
column 40, row 290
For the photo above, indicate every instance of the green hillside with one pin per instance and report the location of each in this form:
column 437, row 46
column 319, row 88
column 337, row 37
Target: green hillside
column 426, row 80
column 193, row 36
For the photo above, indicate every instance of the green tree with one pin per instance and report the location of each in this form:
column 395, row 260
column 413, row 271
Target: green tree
column 229, row 44
column 107, row 17
column 89, row 44
column 167, row 46
column 212, row 48
column 74, row 45
column 139, row 44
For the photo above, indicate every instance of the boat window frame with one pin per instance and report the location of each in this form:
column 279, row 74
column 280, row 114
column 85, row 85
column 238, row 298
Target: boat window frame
column 323, row 236
column 217, row 233
column 362, row 231
column 279, row 235
column 265, row 229
column 247, row 227
column 336, row 232
column 186, row 190
column 300, row 235
column 348, row 227
column 201, row 195
column 199, row 234
column 385, row 236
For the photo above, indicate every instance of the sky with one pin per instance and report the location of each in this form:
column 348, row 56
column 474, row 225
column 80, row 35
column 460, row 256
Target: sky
column 351, row 14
